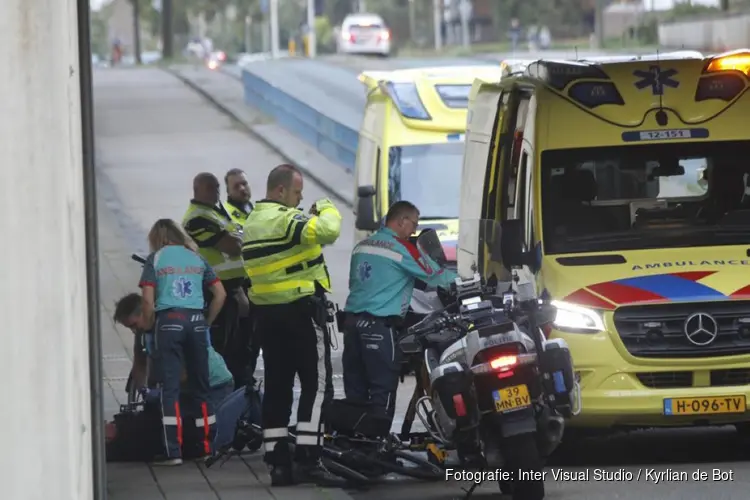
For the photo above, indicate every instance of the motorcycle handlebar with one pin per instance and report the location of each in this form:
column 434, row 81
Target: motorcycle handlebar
column 444, row 320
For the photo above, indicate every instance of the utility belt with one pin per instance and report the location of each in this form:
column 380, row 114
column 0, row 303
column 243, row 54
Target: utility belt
column 305, row 265
column 323, row 309
column 346, row 320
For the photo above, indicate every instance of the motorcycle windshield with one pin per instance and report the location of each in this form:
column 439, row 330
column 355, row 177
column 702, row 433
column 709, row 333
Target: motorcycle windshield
column 478, row 246
column 429, row 244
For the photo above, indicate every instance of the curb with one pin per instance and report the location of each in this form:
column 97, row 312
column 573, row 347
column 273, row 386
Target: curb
column 249, row 129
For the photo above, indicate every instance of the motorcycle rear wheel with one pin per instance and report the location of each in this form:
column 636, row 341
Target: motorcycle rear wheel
column 521, row 453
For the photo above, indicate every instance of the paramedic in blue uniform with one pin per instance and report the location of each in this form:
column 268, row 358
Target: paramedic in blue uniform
column 172, row 283
column 382, row 273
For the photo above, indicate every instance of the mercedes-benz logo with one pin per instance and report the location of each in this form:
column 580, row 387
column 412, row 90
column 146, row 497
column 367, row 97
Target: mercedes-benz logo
column 701, row 329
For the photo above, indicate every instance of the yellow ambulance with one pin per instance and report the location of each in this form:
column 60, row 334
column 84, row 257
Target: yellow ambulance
column 625, row 187
column 411, row 145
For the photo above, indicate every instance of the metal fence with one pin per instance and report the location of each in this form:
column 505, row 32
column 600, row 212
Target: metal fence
column 335, row 141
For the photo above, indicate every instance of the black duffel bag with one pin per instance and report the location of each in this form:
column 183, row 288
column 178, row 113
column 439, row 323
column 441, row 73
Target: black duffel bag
column 355, row 418
column 139, row 436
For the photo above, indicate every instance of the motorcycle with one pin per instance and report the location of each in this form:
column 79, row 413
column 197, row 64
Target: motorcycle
column 489, row 384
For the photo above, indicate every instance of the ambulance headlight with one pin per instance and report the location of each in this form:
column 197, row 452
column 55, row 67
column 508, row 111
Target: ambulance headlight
column 572, row 318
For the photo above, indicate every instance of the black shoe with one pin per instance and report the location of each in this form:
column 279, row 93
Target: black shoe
column 318, row 474
column 281, row 475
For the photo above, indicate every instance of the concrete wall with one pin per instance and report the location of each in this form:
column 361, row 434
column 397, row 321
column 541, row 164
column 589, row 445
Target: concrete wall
column 718, row 34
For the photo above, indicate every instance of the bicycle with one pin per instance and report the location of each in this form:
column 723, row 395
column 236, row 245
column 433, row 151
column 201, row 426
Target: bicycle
column 366, row 458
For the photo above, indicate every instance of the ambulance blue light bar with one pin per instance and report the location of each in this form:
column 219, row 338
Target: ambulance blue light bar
column 406, row 97
column 558, row 74
column 454, row 96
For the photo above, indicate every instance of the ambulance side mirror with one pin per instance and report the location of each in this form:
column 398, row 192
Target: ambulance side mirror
column 366, row 220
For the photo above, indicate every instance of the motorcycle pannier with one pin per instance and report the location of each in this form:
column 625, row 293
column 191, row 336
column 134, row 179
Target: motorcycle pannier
column 350, row 417
column 558, row 363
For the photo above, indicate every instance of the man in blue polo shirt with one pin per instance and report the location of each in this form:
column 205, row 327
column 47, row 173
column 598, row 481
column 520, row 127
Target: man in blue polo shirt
column 382, row 273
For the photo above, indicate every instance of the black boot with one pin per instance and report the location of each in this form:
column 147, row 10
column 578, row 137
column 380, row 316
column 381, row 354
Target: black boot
column 280, row 462
column 281, row 475
column 317, row 473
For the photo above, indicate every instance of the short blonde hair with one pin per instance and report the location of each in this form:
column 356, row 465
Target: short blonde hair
column 167, row 232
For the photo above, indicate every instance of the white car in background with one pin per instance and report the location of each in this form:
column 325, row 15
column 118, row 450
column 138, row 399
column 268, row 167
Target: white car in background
column 364, row 34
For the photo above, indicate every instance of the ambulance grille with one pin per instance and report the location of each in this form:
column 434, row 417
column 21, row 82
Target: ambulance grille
column 734, row 376
column 665, row 380
column 659, row 331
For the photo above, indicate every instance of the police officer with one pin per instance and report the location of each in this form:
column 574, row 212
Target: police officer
column 381, row 281
column 237, row 204
column 246, row 345
column 283, row 258
column 221, row 245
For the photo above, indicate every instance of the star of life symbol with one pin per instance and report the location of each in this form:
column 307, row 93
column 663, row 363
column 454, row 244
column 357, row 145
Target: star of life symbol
column 182, row 288
column 656, row 79
column 701, row 329
column 365, row 271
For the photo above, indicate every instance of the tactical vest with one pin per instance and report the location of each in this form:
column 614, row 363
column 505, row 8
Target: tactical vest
column 280, row 267
column 238, row 216
column 225, row 266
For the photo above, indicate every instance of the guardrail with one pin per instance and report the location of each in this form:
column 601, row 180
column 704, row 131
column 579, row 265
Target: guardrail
column 335, row 141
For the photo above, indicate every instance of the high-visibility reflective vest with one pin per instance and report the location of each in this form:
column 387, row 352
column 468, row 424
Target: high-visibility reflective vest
column 237, row 215
column 203, row 222
column 282, row 251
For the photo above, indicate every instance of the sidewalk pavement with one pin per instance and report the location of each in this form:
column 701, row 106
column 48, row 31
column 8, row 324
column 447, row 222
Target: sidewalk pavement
column 226, row 92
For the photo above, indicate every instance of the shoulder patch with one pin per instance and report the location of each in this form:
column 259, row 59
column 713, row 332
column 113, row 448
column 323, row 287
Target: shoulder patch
column 301, row 217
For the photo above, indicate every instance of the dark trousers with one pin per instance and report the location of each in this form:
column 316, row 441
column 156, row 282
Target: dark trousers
column 371, row 362
column 242, row 356
column 230, row 334
column 180, row 340
column 293, row 345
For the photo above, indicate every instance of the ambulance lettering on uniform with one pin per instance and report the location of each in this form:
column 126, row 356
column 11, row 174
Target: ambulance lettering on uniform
column 377, row 243
column 691, row 263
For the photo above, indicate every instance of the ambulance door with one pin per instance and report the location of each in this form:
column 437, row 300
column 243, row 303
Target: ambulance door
column 481, row 127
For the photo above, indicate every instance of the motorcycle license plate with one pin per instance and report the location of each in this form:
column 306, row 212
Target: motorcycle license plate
column 512, row 398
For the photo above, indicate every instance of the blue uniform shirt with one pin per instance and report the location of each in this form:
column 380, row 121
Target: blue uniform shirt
column 178, row 276
column 382, row 274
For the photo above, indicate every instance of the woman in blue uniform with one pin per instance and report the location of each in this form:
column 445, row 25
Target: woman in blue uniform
column 172, row 284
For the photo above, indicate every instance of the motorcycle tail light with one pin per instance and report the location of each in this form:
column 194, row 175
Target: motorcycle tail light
column 504, row 363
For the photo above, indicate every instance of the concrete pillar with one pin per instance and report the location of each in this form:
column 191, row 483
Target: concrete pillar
column 46, row 411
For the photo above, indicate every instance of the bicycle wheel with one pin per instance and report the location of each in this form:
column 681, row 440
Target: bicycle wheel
column 407, row 464
column 357, row 479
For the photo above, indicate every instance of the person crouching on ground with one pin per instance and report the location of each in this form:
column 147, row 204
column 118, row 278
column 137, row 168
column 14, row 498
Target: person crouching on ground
column 128, row 312
column 138, row 442
column 172, row 287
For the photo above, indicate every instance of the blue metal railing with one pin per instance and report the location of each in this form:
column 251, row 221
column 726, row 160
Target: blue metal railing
column 335, row 141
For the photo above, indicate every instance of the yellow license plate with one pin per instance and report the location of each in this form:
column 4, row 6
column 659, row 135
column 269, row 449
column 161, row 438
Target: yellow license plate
column 705, row 406
column 512, row 398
